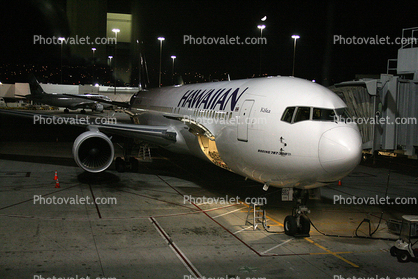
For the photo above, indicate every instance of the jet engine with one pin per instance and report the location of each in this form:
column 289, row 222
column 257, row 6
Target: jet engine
column 93, row 151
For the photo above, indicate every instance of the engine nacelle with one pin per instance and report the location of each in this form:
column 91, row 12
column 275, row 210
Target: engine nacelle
column 93, row 151
column 99, row 107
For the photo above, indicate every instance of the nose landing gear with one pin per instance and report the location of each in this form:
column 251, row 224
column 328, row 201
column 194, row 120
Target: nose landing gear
column 298, row 224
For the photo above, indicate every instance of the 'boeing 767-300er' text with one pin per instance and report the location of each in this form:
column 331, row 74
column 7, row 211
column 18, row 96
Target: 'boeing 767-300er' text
column 280, row 131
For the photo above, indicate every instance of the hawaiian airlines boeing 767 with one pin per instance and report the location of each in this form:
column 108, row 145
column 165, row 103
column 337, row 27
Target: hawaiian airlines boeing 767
column 279, row 131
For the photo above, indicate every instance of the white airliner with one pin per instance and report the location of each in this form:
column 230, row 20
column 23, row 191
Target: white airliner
column 279, row 131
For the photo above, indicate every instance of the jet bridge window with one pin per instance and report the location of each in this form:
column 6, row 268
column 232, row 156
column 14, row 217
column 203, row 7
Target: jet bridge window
column 302, row 114
column 342, row 114
column 320, row 114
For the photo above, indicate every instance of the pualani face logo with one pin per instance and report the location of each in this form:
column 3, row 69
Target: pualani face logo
column 211, row 99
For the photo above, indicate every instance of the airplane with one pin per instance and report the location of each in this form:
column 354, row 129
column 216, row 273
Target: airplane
column 68, row 101
column 280, row 131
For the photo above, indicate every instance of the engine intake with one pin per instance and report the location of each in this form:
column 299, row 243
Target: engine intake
column 93, row 151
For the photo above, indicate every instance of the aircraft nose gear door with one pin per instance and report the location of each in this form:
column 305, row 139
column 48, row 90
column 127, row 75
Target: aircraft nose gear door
column 243, row 121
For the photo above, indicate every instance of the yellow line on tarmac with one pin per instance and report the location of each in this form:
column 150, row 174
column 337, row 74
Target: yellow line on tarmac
column 330, row 252
column 326, row 253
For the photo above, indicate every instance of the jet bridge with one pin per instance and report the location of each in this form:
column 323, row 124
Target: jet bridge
column 386, row 111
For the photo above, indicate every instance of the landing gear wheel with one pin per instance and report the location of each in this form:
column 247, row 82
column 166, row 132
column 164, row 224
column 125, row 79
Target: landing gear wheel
column 83, row 111
column 403, row 256
column 120, row 164
column 66, row 110
column 290, row 226
column 393, row 251
column 305, row 225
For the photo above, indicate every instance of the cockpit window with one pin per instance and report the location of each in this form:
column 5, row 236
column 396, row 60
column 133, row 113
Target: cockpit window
column 288, row 114
column 323, row 114
column 297, row 114
column 302, row 114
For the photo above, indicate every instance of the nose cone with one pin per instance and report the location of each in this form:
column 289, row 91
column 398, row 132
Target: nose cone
column 339, row 151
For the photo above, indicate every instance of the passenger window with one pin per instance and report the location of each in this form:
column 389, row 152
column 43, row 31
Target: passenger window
column 288, row 114
column 323, row 114
column 302, row 114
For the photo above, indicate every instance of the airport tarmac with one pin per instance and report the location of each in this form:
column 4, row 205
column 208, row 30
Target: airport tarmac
column 148, row 229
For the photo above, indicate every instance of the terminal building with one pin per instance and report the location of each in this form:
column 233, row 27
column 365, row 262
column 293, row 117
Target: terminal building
column 107, row 16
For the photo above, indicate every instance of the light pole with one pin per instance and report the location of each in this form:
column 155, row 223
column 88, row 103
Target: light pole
column 114, row 62
column 110, row 65
column 139, row 66
column 92, row 77
column 294, row 37
column 161, row 39
column 261, row 27
column 61, row 39
column 172, row 79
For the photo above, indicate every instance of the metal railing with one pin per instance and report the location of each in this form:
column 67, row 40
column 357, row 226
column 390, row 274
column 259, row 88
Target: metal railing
column 408, row 37
column 389, row 68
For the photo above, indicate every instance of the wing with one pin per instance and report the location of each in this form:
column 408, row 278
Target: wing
column 119, row 104
column 160, row 135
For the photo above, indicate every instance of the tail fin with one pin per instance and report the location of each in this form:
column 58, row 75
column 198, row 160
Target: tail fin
column 35, row 88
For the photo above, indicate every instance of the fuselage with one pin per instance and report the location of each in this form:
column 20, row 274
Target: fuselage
column 281, row 131
column 70, row 102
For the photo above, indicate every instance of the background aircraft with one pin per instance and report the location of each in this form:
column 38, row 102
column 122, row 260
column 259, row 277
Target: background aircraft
column 67, row 101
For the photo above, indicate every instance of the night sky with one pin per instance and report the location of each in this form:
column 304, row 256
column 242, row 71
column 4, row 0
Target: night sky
column 316, row 23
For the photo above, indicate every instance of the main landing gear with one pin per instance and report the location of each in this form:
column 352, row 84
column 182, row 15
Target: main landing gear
column 298, row 224
column 129, row 163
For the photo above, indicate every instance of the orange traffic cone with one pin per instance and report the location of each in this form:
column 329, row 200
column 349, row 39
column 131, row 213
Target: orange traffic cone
column 339, row 183
column 57, row 184
column 56, row 175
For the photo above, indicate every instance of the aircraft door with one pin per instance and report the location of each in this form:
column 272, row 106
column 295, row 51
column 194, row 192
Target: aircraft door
column 243, row 120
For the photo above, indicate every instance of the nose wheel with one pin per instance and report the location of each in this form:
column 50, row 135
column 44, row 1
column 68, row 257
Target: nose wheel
column 298, row 224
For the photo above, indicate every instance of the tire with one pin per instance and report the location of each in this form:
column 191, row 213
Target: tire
column 393, row 251
column 305, row 224
column 403, row 256
column 290, row 226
